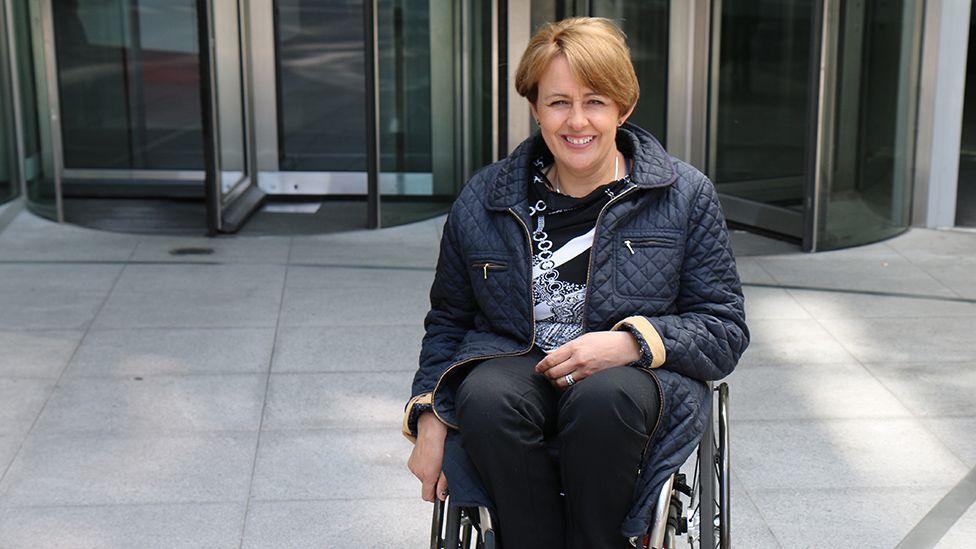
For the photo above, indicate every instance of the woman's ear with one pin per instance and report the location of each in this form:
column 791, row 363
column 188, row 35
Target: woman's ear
column 624, row 116
column 535, row 112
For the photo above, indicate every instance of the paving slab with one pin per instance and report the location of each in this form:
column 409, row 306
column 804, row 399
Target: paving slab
column 404, row 246
column 174, row 351
column 49, row 309
column 299, row 401
column 200, row 278
column 42, row 354
column 922, row 244
column 413, row 281
column 830, row 305
column 931, row 388
column 962, row 533
column 333, row 464
column 937, row 339
column 792, row 341
column 21, row 400
column 844, row 517
column 33, row 238
column 8, row 449
column 349, row 348
column 955, row 273
column 810, row 391
column 875, row 269
column 161, row 526
column 225, row 402
column 956, row 434
column 387, row 522
column 41, row 279
column 175, row 308
column 353, row 307
column 87, row 469
column 751, row 271
column 772, row 303
column 842, row 453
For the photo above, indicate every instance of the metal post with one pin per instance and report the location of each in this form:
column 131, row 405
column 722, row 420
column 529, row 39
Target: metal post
column 370, row 25
column 211, row 187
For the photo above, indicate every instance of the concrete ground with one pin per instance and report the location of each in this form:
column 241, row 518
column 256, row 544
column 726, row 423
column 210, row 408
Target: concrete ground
column 252, row 397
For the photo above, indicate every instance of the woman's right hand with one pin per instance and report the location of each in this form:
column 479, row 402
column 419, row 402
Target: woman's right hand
column 427, row 456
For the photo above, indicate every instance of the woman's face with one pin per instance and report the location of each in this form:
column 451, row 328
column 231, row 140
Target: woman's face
column 578, row 124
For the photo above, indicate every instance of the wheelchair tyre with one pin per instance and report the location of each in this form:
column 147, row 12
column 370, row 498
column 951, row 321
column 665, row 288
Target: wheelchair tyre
column 714, row 477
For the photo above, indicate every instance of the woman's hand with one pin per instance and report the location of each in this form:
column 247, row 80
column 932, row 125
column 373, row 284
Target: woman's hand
column 427, row 456
column 587, row 355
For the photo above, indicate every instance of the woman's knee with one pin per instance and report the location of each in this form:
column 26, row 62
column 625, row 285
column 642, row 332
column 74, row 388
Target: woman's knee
column 623, row 395
column 490, row 396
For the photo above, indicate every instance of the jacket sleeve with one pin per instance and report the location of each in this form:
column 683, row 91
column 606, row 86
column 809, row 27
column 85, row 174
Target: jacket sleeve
column 708, row 333
column 451, row 316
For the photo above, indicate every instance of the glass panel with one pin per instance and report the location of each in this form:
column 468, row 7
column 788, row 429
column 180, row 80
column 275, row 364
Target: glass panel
column 760, row 148
column 321, row 106
column 8, row 171
column 966, row 195
column 420, row 56
column 866, row 196
column 646, row 26
column 38, row 163
column 231, row 133
column 128, row 73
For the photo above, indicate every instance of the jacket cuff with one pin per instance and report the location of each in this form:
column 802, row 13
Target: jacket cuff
column 647, row 337
column 417, row 406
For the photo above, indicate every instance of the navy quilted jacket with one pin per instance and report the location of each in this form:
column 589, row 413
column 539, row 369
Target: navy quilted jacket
column 676, row 282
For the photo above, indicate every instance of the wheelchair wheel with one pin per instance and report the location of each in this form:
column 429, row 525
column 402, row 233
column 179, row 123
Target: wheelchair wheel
column 711, row 506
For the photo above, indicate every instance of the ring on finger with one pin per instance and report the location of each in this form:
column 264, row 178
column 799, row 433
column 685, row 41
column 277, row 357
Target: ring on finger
column 569, row 379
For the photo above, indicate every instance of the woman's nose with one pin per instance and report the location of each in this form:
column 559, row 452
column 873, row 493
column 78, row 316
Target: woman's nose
column 577, row 118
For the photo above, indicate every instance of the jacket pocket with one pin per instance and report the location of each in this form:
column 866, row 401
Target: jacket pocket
column 648, row 265
column 491, row 283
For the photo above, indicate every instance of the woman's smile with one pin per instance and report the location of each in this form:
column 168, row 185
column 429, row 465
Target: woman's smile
column 579, row 141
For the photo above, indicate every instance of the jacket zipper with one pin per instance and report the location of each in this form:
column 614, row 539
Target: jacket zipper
column 589, row 265
column 486, row 266
column 433, row 395
column 660, row 414
column 646, row 242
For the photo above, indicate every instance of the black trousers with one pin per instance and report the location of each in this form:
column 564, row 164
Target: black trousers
column 510, row 418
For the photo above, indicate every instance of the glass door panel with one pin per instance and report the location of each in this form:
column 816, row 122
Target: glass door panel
column 33, row 83
column 413, row 112
column 865, row 194
column 761, row 95
column 321, row 69
column 233, row 194
column 646, row 25
column 128, row 84
column 8, row 170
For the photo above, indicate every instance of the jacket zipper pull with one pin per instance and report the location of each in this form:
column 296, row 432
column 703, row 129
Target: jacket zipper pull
column 627, row 242
column 486, row 270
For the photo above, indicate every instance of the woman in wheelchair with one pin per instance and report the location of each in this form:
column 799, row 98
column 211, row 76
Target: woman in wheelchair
column 585, row 291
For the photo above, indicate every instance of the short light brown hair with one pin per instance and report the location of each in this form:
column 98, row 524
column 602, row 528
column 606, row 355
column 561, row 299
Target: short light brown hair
column 597, row 52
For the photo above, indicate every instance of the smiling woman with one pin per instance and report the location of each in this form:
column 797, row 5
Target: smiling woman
column 585, row 288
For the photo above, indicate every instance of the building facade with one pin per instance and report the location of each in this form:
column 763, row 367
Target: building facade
column 830, row 122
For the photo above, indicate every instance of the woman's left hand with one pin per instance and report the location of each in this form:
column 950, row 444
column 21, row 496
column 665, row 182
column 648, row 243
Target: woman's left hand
column 587, row 355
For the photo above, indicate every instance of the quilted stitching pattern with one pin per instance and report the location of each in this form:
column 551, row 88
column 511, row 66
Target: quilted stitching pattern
column 681, row 276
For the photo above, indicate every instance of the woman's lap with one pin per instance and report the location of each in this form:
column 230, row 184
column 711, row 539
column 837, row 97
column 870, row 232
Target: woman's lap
column 509, row 414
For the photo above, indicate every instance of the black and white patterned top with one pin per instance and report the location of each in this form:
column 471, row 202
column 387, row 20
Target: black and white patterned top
column 562, row 235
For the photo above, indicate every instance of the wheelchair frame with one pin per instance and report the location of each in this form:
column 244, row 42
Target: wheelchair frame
column 709, row 496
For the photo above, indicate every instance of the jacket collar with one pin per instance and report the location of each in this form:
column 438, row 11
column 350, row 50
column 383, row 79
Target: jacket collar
column 652, row 167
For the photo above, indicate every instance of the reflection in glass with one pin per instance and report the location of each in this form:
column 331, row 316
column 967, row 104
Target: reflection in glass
column 38, row 168
column 866, row 197
column 966, row 194
column 321, row 72
column 763, row 91
column 646, row 26
column 128, row 76
column 419, row 128
column 8, row 179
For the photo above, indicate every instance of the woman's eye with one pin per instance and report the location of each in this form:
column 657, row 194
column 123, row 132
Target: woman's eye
column 596, row 101
column 557, row 103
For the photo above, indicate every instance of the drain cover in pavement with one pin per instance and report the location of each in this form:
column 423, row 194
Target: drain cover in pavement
column 191, row 251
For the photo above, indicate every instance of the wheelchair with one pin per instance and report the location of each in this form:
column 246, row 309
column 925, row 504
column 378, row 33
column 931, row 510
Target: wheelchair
column 703, row 521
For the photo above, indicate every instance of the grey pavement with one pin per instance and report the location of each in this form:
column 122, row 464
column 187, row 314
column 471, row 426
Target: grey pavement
column 252, row 397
